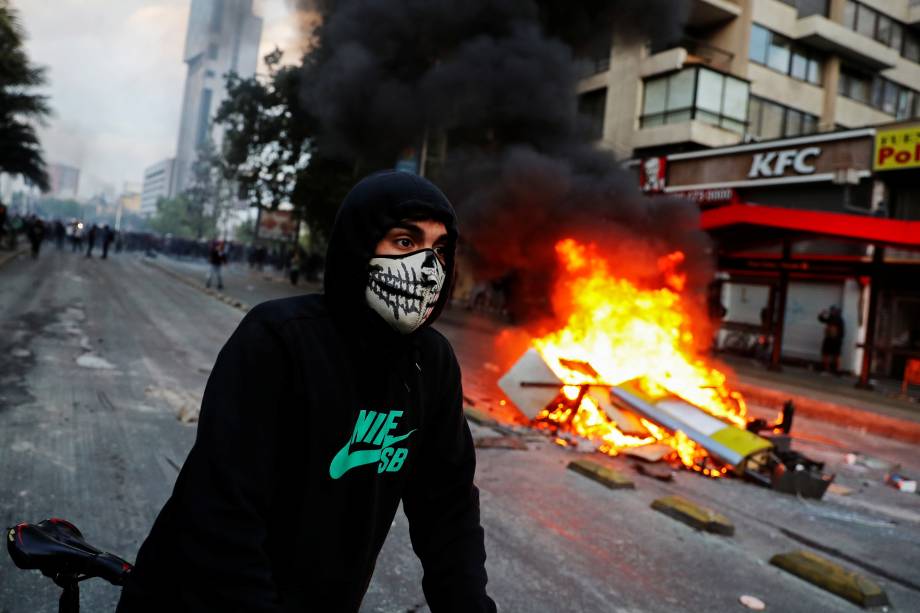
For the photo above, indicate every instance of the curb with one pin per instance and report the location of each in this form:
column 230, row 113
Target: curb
column 606, row 476
column 851, row 417
column 228, row 300
column 831, row 577
column 9, row 256
column 694, row 515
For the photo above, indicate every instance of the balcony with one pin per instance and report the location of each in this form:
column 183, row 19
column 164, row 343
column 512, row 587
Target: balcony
column 692, row 131
column 704, row 13
column 822, row 33
column 689, row 51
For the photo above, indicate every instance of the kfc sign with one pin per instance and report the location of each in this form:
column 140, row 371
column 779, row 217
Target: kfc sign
column 652, row 174
column 775, row 163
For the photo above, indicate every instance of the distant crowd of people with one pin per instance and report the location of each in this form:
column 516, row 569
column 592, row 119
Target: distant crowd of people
column 37, row 230
column 84, row 237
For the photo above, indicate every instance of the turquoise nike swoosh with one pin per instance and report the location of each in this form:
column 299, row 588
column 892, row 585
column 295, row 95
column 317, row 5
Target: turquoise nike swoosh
column 345, row 461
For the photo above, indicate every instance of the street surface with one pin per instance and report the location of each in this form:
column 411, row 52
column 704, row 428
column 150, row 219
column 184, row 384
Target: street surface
column 103, row 362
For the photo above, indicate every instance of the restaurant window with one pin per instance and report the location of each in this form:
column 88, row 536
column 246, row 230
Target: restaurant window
column 696, row 93
column 781, row 54
column 771, row 120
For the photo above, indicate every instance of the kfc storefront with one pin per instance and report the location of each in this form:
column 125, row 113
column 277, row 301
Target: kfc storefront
column 800, row 225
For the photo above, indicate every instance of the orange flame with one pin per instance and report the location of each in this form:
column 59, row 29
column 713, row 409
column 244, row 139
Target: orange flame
column 625, row 332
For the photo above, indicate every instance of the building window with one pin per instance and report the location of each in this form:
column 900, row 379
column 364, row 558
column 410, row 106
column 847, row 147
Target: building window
column 212, row 51
column 807, row 8
column 781, row 54
column 880, row 93
column 592, row 56
column 696, row 93
column 592, row 107
column 771, row 120
column 883, row 28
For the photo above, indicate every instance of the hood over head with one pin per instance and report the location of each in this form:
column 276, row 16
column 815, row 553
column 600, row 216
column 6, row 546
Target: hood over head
column 373, row 206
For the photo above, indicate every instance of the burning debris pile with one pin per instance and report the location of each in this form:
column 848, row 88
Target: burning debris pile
column 623, row 372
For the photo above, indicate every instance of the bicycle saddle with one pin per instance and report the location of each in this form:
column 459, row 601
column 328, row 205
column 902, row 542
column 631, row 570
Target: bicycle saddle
column 57, row 548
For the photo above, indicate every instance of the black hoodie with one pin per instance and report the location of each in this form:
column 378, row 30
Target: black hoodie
column 317, row 420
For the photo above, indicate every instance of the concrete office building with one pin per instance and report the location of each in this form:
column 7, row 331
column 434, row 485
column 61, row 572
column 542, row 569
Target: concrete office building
column 159, row 182
column 223, row 36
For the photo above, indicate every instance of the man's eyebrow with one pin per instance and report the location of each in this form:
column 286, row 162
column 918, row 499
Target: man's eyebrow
column 410, row 227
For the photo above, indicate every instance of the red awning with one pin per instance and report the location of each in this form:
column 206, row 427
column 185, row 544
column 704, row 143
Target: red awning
column 894, row 232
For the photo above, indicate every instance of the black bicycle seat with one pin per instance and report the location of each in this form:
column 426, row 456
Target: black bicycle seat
column 57, row 548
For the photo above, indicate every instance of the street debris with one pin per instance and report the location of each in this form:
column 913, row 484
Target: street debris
column 662, row 473
column 501, row 442
column 839, row 490
column 89, row 360
column 583, row 413
column 185, row 405
column 899, row 482
column 650, row 453
column 752, row 602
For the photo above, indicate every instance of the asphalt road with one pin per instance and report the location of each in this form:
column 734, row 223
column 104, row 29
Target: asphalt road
column 99, row 360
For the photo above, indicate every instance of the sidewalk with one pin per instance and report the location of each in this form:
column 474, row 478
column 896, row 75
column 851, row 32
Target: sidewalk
column 828, row 398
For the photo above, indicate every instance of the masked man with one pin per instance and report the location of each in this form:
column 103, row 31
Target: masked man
column 322, row 413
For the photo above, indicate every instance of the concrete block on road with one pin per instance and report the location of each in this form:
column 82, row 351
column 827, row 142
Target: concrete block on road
column 832, row 577
column 694, row 515
column 605, row 475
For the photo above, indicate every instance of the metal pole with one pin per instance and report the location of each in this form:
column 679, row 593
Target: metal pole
column 869, row 343
column 780, row 315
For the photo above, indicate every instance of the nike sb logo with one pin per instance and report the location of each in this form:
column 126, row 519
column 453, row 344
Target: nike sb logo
column 373, row 428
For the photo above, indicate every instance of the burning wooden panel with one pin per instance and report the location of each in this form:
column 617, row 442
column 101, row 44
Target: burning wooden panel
column 533, row 387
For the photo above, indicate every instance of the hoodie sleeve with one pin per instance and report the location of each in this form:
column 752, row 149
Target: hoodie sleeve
column 442, row 505
column 226, row 482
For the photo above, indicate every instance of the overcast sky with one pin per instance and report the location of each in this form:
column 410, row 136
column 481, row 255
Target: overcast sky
column 115, row 77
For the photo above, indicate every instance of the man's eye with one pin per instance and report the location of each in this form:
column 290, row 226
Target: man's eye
column 405, row 243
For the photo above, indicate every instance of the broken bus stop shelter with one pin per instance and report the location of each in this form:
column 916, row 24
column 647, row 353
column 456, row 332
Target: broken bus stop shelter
column 760, row 245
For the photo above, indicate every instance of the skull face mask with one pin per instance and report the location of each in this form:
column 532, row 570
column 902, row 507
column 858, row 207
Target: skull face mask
column 403, row 289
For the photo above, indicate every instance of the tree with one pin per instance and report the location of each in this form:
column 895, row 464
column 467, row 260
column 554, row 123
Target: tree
column 271, row 150
column 177, row 216
column 209, row 192
column 265, row 143
column 20, row 149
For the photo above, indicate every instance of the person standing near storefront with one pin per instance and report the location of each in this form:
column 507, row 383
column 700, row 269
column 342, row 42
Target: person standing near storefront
column 833, row 339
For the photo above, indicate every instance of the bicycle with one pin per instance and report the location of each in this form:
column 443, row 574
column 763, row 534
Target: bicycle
column 57, row 548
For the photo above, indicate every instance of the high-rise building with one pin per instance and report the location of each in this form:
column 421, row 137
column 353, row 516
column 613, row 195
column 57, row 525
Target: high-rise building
column 65, row 180
column 223, row 37
column 755, row 69
column 159, row 182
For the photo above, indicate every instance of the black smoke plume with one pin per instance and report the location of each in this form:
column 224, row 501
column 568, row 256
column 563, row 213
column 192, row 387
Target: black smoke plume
column 489, row 86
